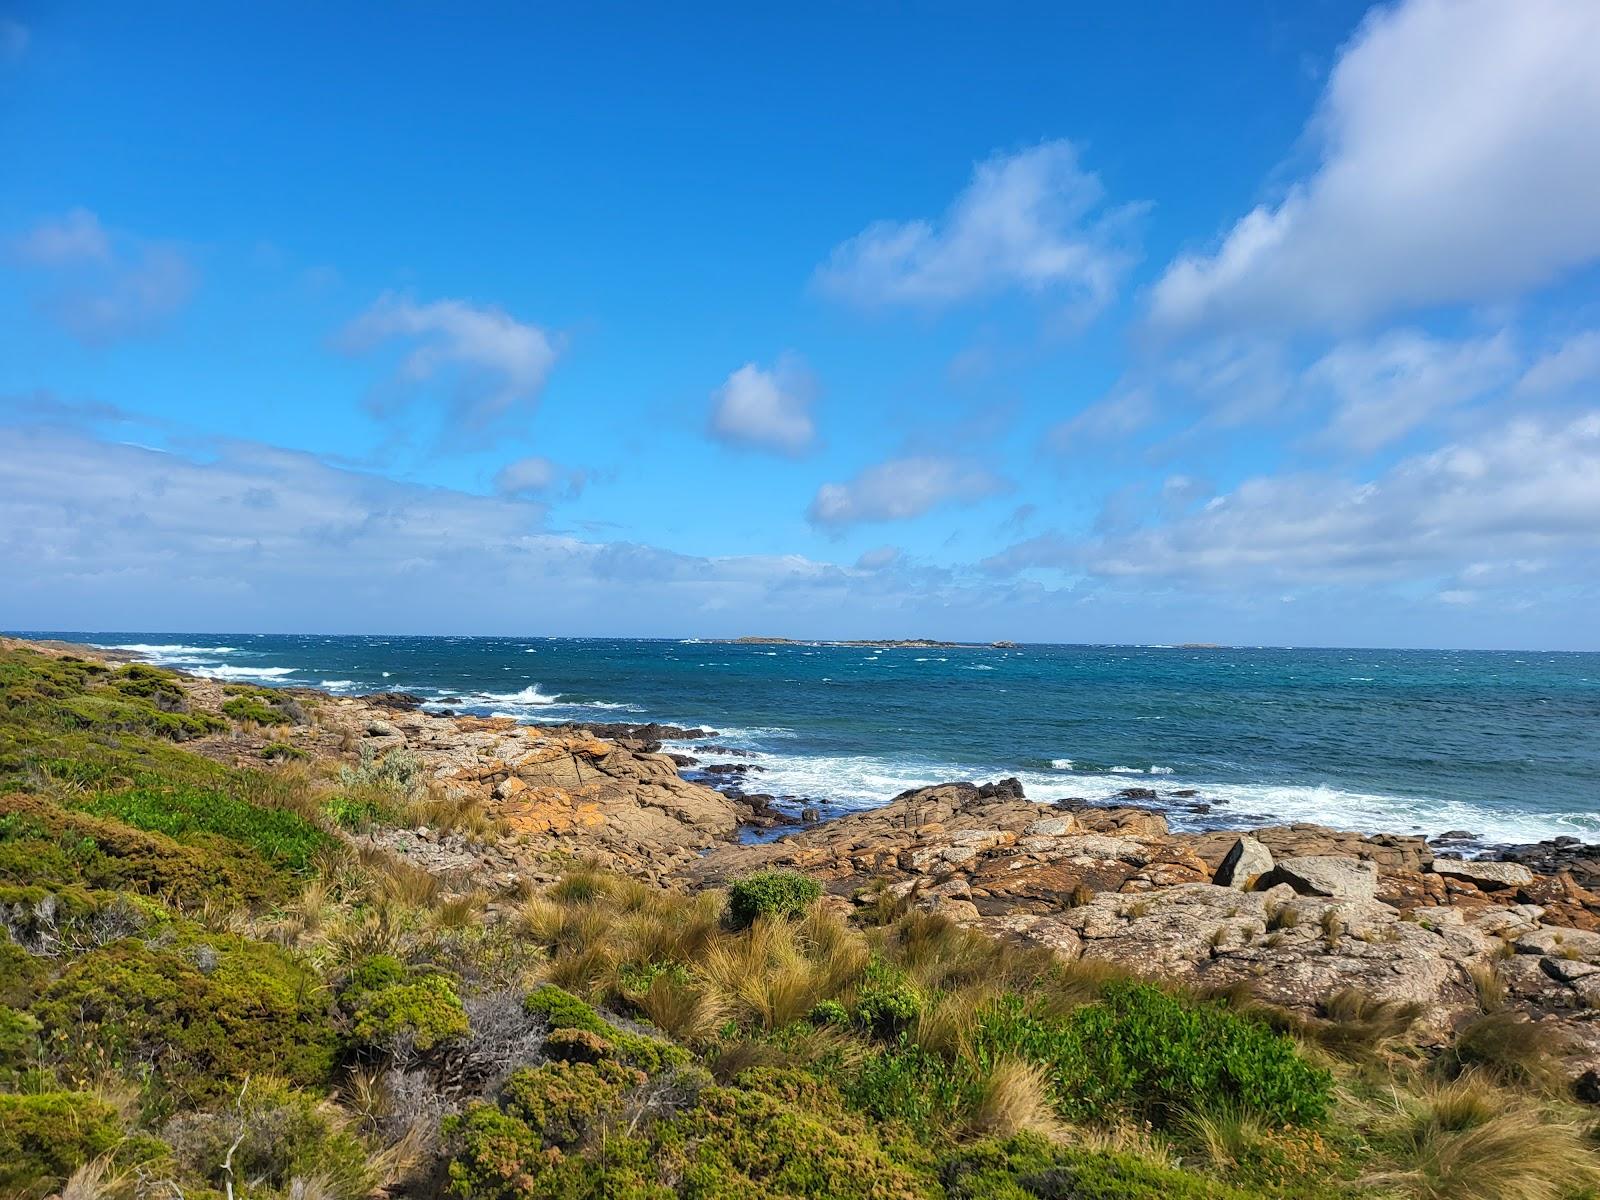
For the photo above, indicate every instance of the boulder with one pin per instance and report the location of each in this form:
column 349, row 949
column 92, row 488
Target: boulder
column 1245, row 863
column 1328, row 875
column 1489, row 876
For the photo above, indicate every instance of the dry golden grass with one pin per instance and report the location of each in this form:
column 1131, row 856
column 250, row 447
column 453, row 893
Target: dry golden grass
column 688, row 1012
column 1511, row 1049
column 1015, row 1096
column 1226, row 1134
column 1488, row 985
column 1468, row 1140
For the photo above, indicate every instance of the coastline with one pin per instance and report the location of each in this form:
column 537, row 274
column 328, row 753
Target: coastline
column 522, row 852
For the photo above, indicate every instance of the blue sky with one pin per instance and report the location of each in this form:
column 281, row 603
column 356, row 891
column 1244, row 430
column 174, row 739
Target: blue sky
column 1269, row 322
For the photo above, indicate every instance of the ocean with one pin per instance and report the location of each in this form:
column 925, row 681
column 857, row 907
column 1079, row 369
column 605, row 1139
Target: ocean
column 1505, row 745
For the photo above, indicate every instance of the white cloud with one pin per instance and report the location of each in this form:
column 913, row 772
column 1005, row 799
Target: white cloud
column 767, row 410
column 1521, row 492
column 537, row 476
column 1122, row 414
column 879, row 557
column 102, row 287
column 1575, row 361
column 1033, row 221
column 1385, row 388
column 497, row 363
column 1459, row 164
column 902, row 488
column 252, row 536
column 74, row 237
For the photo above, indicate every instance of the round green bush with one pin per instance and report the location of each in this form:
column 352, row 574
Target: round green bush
column 771, row 894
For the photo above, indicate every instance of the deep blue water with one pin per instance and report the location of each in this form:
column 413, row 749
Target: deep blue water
column 1504, row 744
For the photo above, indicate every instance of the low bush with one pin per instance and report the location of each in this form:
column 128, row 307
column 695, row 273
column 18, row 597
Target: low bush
column 395, row 1011
column 779, row 894
column 190, row 1018
column 41, row 842
column 253, row 709
column 888, row 1002
column 283, row 838
column 1027, row 1166
column 45, row 1136
column 282, row 1135
column 1145, row 1053
column 562, row 1010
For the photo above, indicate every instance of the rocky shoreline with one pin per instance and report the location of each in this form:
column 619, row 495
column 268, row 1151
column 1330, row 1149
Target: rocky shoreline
column 1296, row 912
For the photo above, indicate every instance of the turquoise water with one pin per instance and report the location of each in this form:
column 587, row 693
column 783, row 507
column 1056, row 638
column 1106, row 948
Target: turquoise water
column 1504, row 744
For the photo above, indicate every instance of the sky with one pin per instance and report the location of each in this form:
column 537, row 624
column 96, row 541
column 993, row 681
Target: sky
column 1274, row 322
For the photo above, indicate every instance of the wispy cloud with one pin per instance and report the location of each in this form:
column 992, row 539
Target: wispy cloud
column 490, row 363
column 902, row 488
column 249, row 535
column 1459, row 164
column 102, row 287
column 766, row 409
column 1034, row 221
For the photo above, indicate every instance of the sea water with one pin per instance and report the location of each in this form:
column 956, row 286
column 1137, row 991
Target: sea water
column 1505, row 745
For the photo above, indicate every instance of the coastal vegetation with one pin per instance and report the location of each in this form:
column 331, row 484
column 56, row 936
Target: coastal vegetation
column 212, row 984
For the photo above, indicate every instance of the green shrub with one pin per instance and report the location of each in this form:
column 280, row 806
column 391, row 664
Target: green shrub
column 829, row 1012
column 359, row 810
column 423, row 1013
column 561, row 1134
column 1027, row 1167
column 562, row 1010
column 45, row 1136
column 283, row 751
column 771, row 894
column 190, row 1018
column 19, row 1044
column 888, row 1002
column 20, row 974
column 916, row 1087
column 286, row 1135
column 253, row 708
column 1144, row 1053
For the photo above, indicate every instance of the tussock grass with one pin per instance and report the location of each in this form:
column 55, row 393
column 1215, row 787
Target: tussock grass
column 1014, row 1096
column 1510, row 1048
column 1468, row 1140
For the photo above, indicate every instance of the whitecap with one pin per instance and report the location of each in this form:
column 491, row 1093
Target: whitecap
column 1162, row 771
column 225, row 672
column 1061, row 764
column 337, row 684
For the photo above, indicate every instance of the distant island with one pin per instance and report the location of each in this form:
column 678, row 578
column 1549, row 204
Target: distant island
column 879, row 643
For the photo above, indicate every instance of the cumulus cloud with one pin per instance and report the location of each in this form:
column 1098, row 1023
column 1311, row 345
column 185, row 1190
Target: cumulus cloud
column 1035, row 221
column 902, row 488
column 1458, row 164
column 103, row 287
column 766, row 410
column 1383, row 389
column 494, row 363
column 537, row 476
column 1527, row 490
